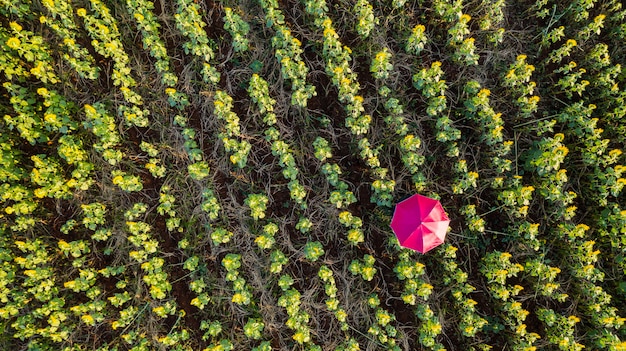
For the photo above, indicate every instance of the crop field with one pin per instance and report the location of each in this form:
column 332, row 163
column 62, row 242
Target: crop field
column 221, row 175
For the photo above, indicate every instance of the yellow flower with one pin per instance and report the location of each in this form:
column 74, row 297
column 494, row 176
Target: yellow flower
column 160, row 311
column 72, row 183
column 88, row 319
column 89, row 109
column 30, row 273
column 327, row 24
column 42, row 91
column 16, row 27
column 81, row 12
column 118, row 179
column 523, row 211
column 54, row 321
column 14, row 43
column 36, row 70
column 573, row 319
column 40, row 193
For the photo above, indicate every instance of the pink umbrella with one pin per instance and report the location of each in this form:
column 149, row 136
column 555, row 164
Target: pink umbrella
column 420, row 223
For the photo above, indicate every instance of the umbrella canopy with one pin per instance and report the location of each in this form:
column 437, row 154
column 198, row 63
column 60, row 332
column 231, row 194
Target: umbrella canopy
column 420, row 223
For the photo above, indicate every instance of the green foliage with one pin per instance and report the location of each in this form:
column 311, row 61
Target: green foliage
column 364, row 267
column 198, row 170
column 417, row 40
column 242, row 294
column 103, row 126
column 213, row 328
column 253, row 328
column 239, row 149
column 259, row 93
column 313, row 250
column 383, row 192
column 429, row 82
column 381, row 65
column 237, row 28
column 126, row 182
column 257, row 204
column 288, row 51
column 190, row 23
column 93, row 215
column 147, row 23
column 131, row 135
column 210, row 204
column 304, row 225
column 365, row 18
column 278, row 261
column 220, row 236
column 547, row 155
